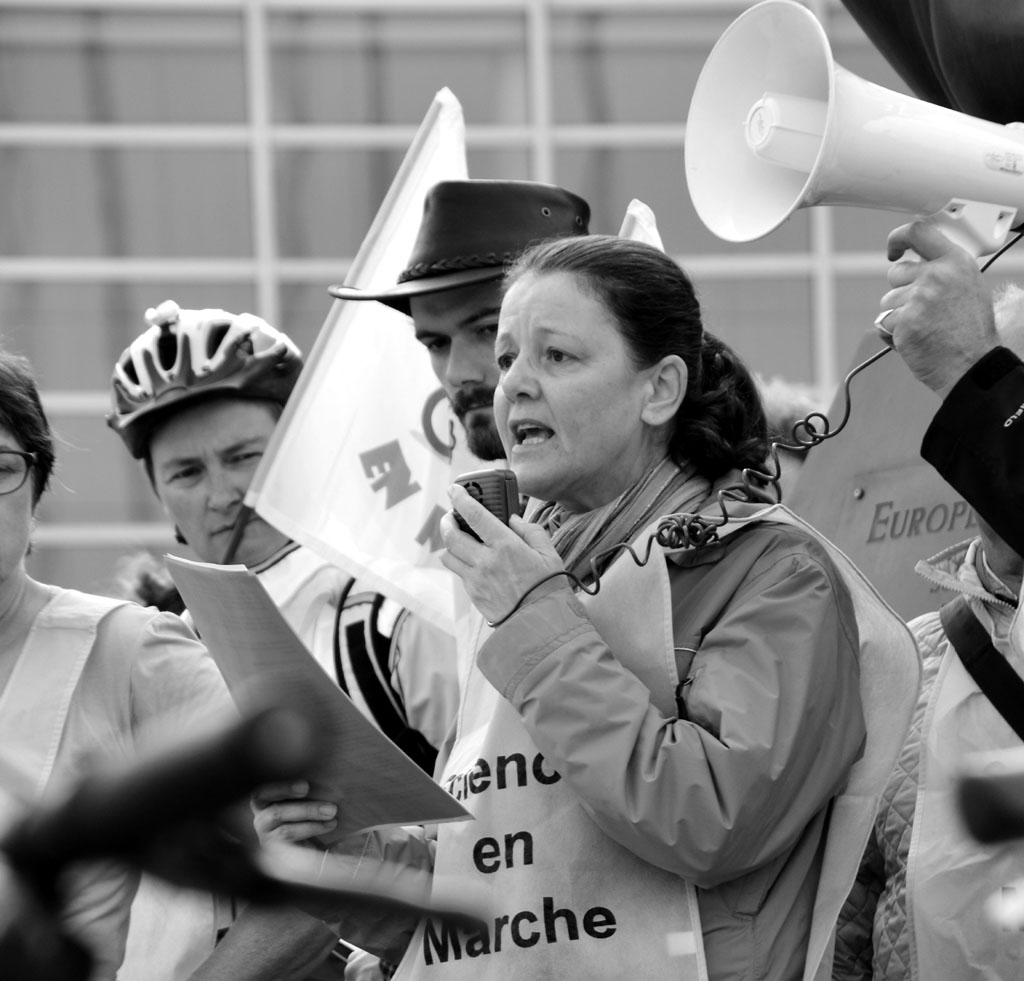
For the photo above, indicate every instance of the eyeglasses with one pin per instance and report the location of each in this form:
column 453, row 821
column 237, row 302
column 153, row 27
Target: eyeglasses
column 15, row 466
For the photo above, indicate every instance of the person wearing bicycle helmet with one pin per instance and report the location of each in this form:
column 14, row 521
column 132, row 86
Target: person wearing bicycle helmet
column 202, row 372
column 196, row 398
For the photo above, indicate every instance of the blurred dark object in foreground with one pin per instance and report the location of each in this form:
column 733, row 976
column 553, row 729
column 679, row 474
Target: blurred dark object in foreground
column 991, row 796
column 172, row 816
column 165, row 815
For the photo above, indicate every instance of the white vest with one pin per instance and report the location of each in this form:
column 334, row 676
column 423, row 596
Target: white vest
column 36, row 759
column 950, row 877
column 571, row 903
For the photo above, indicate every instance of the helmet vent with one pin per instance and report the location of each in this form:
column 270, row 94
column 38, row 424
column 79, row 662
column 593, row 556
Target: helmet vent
column 193, row 355
column 167, row 350
column 215, row 336
column 128, row 367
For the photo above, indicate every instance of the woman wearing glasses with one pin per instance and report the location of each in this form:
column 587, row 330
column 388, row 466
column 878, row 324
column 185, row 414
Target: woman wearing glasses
column 83, row 679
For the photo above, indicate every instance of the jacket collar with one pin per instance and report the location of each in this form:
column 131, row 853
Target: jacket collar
column 956, row 568
column 271, row 560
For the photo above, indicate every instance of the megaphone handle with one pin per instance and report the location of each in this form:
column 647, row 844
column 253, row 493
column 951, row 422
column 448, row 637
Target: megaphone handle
column 977, row 227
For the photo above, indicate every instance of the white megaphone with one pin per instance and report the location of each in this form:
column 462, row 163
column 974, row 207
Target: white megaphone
column 776, row 125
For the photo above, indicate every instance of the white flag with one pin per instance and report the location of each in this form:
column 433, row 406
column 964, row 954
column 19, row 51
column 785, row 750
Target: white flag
column 358, row 468
column 640, row 225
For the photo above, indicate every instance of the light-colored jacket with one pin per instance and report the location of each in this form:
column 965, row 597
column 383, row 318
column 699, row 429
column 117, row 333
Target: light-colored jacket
column 732, row 799
column 918, row 907
column 103, row 679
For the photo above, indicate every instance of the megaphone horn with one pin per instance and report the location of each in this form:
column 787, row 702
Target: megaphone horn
column 776, row 125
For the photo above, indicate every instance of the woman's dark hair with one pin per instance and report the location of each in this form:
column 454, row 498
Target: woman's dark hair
column 22, row 415
column 720, row 425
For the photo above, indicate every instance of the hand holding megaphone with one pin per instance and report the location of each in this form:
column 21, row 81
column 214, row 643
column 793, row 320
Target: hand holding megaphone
column 939, row 309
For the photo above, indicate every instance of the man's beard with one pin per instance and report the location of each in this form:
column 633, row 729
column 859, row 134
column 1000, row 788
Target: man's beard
column 481, row 434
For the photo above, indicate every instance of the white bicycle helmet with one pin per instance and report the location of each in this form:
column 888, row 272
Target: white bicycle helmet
column 187, row 355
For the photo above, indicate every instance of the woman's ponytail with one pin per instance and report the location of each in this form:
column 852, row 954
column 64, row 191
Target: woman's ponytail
column 721, row 424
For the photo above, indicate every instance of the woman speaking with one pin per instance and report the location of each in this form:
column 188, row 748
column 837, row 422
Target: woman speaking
column 660, row 744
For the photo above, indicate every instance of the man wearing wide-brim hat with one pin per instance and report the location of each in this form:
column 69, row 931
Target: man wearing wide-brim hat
column 471, row 230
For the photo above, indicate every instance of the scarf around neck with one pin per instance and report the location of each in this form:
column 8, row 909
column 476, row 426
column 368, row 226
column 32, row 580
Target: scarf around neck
column 580, row 537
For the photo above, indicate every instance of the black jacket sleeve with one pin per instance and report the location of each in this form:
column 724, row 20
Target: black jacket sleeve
column 976, row 442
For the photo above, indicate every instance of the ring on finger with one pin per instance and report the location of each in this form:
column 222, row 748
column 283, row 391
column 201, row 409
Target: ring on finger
column 886, row 333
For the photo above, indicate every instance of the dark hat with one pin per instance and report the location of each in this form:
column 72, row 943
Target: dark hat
column 472, row 229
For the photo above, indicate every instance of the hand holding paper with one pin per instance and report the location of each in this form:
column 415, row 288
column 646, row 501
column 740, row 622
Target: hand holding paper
column 372, row 782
